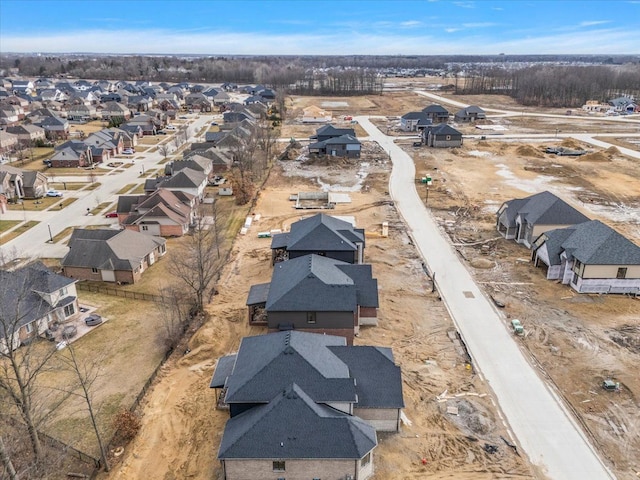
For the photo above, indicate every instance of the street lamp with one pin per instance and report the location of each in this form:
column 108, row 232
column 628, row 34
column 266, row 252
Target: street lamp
column 50, row 236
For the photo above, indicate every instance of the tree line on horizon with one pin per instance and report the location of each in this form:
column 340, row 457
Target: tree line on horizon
column 533, row 80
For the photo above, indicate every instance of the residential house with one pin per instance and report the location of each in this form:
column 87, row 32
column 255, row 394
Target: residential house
column 360, row 381
column 109, row 139
column 130, row 134
column 315, row 114
column 82, row 112
column 163, row 213
column 441, row 136
column 72, row 153
column 414, row 121
column 197, row 101
column 28, row 134
column 32, row 300
column 327, row 132
column 113, row 110
column 185, row 180
column 56, row 128
column 471, row 113
column 343, row 146
column 9, row 114
column 3, row 202
column 119, row 256
column 150, row 122
column 321, row 235
column 53, row 95
column 437, row 113
column 595, row 106
column 35, row 184
column 8, row 142
column 316, row 294
column 193, row 161
column 623, row 105
column 217, row 97
column 23, row 86
column 525, row 219
column 11, row 182
column 590, row 257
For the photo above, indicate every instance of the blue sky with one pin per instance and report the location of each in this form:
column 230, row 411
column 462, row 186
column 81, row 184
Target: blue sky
column 418, row 27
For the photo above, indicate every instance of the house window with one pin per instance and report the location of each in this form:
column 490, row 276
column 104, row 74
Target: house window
column 29, row 327
column 63, row 291
column 575, row 279
column 622, row 272
column 144, row 228
column 311, row 317
column 278, row 466
column 94, row 270
column 365, row 460
column 69, row 310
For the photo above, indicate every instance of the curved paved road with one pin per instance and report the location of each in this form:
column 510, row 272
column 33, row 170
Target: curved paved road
column 545, row 430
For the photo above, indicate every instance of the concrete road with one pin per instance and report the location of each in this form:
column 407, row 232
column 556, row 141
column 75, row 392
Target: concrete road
column 542, row 425
column 34, row 243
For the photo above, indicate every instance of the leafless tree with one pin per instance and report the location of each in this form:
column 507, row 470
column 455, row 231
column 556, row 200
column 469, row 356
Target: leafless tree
column 195, row 262
column 164, row 150
column 5, row 459
column 21, row 367
column 174, row 313
column 86, row 372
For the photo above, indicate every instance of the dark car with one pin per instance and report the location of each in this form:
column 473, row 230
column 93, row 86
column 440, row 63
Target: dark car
column 111, row 215
column 93, row 320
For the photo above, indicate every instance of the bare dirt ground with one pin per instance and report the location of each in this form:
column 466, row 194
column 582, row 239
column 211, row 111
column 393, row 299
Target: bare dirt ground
column 575, row 340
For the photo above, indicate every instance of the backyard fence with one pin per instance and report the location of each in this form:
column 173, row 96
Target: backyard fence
column 116, row 292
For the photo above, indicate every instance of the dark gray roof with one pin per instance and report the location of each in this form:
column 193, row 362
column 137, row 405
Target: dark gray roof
column 258, row 294
column 544, row 208
column 21, row 301
column 293, row 426
column 367, row 286
column 342, row 140
column 324, row 232
column 415, row 116
column 222, row 371
column 266, row 364
column 109, row 249
column 594, row 243
column 443, row 129
column 553, row 241
column 185, row 178
column 378, row 378
column 331, row 131
column 435, row 109
column 312, row 283
column 279, row 240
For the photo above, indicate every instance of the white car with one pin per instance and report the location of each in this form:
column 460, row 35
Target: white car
column 128, row 151
column 53, row 193
column 170, row 127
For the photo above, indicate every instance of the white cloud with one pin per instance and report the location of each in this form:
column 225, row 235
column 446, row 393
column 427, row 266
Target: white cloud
column 411, row 23
column 452, row 30
column 594, row 22
column 479, row 25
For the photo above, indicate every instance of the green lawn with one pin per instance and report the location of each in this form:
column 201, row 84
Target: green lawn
column 7, row 237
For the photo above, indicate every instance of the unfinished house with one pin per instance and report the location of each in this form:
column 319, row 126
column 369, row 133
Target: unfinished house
column 322, row 235
column 525, row 219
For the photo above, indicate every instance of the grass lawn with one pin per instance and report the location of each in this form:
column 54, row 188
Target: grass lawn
column 7, row 225
column 93, row 186
column 7, row 237
column 66, row 185
column 63, row 234
column 128, row 350
column 90, row 127
column 34, row 205
column 138, row 190
column 127, row 188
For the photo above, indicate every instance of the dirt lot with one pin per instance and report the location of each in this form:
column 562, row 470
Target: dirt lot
column 577, row 341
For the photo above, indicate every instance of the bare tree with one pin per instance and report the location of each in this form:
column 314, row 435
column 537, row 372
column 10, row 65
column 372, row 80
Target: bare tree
column 20, row 366
column 86, row 372
column 194, row 263
column 174, row 313
column 6, row 461
column 164, row 150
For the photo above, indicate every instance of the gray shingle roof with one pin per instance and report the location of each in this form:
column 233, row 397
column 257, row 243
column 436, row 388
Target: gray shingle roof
column 435, row 108
column 293, row 426
column 312, row 283
column 594, row 243
column 544, row 208
column 222, row 371
column 109, row 249
column 258, row 294
column 378, row 378
column 324, row 232
column 20, row 299
column 266, row 364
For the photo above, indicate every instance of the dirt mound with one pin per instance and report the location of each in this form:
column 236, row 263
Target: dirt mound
column 482, row 263
column 571, row 143
column 529, row 151
column 595, row 157
column 611, row 151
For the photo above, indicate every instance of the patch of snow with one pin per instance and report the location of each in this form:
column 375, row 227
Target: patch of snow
column 334, row 104
column 478, row 153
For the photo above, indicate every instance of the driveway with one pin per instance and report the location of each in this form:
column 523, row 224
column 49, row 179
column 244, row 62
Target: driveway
column 545, row 430
column 34, row 242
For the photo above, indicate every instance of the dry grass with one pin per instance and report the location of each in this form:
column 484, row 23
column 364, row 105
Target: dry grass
column 7, row 225
column 7, row 237
column 34, row 205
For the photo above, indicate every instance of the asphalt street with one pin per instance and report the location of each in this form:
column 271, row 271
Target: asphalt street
column 543, row 427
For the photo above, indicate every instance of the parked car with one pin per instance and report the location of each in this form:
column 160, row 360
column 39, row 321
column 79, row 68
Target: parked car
column 170, row 127
column 111, row 215
column 214, row 124
column 611, row 385
column 182, row 118
column 53, row 193
column 48, row 163
column 128, row 151
column 93, row 320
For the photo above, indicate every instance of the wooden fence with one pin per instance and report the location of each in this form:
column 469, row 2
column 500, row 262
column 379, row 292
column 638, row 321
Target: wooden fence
column 117, row 292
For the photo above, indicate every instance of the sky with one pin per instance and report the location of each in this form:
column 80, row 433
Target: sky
column 330, row 27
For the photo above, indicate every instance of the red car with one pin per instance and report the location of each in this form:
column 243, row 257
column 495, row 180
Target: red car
column 111, row 214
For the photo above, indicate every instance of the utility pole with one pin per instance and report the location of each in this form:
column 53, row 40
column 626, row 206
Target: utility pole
column 50, row 236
